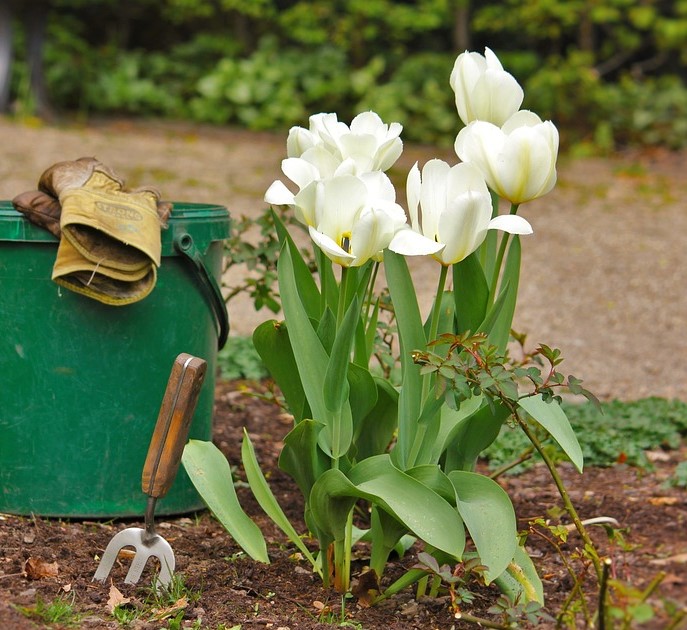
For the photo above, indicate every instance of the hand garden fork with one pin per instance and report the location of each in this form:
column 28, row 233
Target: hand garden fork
column 161, row 465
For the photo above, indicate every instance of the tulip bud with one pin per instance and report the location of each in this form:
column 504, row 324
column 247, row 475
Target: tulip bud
column 517, row 160
column 484, row 90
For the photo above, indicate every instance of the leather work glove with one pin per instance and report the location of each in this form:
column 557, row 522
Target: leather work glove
column 41, row 209
column 110, row 238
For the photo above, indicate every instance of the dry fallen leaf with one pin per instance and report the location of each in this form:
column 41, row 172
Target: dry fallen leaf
column 164, row 613
column 663, row 500
column 116, row 599
column 680, row 558
column 366, row 588
column 671, row 578
column 37, row 569
column 319, row 606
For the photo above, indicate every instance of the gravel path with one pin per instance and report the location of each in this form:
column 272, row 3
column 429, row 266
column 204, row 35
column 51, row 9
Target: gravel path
column 604, row 275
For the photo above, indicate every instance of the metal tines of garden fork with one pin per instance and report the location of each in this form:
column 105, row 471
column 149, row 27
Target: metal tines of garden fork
column 161, row 465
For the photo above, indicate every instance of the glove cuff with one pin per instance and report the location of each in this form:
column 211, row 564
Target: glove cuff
column 100, row 282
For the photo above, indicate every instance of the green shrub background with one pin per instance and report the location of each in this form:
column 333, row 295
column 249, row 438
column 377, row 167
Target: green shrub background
column 610, row 74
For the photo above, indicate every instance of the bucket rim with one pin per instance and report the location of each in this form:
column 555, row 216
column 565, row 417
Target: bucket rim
column 15, row 227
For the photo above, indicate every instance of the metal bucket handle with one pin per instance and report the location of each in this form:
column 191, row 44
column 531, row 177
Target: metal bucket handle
column 183, row 243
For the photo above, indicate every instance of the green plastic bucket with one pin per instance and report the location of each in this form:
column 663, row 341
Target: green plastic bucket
column 82, row 382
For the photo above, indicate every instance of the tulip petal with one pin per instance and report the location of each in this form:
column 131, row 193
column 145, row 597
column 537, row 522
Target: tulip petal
column 278, row 194
column 330, row 248
column 483, row 89
column 481, row 143
column 306, row 203
column 408, row 242
column 299, row 171
column 522, row 118
column 413, row 186
column 367, row 122
column 371, row 234
column 361, row 148
column 463, row 226
column 388, row 152
column 298, row 141
column 465, row 176
column 379, row 186
column 526, row 171
column 322, row 160
column 343, row 199
column 511, row 223
column 433, row 196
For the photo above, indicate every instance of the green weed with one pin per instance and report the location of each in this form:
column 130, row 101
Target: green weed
column 240, row 360
column 619, row 432
column 167, row 605
column 58, row 611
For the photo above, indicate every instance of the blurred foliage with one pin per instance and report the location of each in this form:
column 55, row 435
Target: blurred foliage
column 618, row 432
column 611, row 72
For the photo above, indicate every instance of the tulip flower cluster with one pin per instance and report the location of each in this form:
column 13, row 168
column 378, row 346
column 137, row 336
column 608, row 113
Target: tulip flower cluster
column 344, row 197
column 514, row 149
column 402, row 449
column 349, row 204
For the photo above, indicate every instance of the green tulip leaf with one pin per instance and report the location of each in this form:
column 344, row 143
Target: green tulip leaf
column 374, row 431
column 471, row 293
column 336, row 386
column 433, row 477
column 407, row 500
column 210, row 473
column 309, row 354
column 418, row 507
column 493, row 313
column 331, row 499
column 385, row 533
column 446, row 316
column 520, row 582
column 266, row 499
column 487, row 250
column 307, row 288
column 489, row 516
column 412, row 337
column 271, row 340
column 326, row 329
column 451, row 420
column 370, row 333
column 330, row 288
column 362, row 394
column 301, row 456
column 500, row 329
column 469, row 437
column 551, row 416
column 428, row 425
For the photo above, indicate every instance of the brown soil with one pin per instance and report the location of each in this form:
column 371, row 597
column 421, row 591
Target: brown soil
column 601, row 279
column 235, row 590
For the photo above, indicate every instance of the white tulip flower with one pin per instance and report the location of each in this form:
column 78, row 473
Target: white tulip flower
column 371, row 144
column 451, row 205
column 354, row 218
column 483, row 89
column 518, row 160
column 330, row 149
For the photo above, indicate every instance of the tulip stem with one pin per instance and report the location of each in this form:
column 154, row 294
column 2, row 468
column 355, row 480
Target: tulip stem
column 370, row 292
column 499, row 260
column 427, row 378
column 436, row 309
column 343, row 287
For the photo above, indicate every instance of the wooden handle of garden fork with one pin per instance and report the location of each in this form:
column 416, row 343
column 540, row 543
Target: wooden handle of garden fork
column 173, row 422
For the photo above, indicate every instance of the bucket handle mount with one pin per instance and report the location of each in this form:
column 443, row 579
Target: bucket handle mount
column 184, row 244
